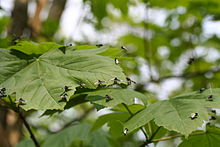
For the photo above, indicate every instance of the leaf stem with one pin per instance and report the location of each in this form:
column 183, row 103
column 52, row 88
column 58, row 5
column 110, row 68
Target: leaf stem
column 150, row 140
column 169, row 138
column 172, row 137
column 188, row 75
column 129, row 111
column 154, row 134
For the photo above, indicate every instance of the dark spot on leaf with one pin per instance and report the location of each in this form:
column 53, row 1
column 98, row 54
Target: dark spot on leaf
column 63, row 49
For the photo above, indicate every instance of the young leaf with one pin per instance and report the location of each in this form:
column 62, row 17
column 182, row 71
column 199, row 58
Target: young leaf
column 29, row 47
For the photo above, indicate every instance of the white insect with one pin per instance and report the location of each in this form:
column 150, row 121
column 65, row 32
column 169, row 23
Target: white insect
column 125, row 131
column 193, row 115
column 20, row 101
column 117, row 61
column 123, row 47
column 64, row 96
column 99, row 82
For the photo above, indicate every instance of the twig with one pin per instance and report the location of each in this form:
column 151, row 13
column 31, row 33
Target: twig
column 147, row 45
column 169, row 138
column 187, row 75
column 26, row 124
column 172, row 137
column 129, row 111
column 29, row 130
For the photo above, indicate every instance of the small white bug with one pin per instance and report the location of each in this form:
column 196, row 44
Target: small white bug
column 123, row 47
column 99, row 82
column 193, row 115
column 20, row 101
column 64, row 96
column 125, row 131
column 117, row 61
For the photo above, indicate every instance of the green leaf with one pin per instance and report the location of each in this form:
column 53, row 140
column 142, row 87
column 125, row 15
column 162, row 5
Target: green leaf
column 70, row 136
column 115, row 128
column 121, row 116
column 133, row 108
column 118, row 96
column 98, row 8
column 174, row 114
column 104, row 50
column 152, row 128
column 201, row 98
column 26, row 143
column 121, row 4
column 209, row 138
column 29, row 47
column 40, row 81
column 138, row 120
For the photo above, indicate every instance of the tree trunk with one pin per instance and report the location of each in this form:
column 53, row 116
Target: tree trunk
column 56, row 10
column 35, row 23
column 10, row 128
column 19, row 26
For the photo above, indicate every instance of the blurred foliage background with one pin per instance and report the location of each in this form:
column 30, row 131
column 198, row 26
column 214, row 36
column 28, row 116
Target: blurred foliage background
column 172, row 46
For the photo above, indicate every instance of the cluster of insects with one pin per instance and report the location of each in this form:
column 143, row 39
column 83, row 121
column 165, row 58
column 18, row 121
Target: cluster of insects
column 209, row 98
column 20, row 101
column 115, row 80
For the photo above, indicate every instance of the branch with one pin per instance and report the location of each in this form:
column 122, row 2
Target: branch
column 147, row 43
column 169, row 138
column 35, row 22
column 26, row 124
column 29, row 130
column 187, row 75
column 172, row 137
